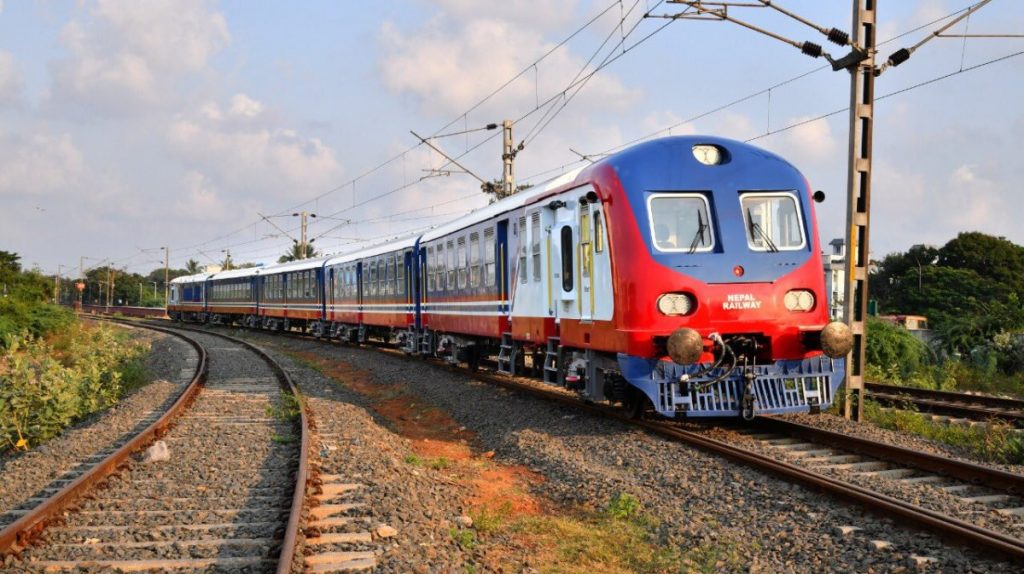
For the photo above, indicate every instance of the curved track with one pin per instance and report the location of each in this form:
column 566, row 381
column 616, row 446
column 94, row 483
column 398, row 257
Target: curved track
column 229, row 496
column 959, row 405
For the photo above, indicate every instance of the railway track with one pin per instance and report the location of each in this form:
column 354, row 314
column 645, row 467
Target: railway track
column 830, row 462
column 951, row 404
column 230, row 495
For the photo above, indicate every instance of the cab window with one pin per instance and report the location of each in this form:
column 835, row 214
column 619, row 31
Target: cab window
column 680, row 223
column 772, row 221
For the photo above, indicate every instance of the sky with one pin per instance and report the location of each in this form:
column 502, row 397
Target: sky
column 128, row 126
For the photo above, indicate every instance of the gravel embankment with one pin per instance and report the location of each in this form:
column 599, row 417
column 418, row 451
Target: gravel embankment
column 221, row 498
column 703, row 502
column 39, row 472
column 356, row 444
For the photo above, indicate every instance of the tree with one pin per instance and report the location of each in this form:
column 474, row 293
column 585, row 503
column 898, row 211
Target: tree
column 995, row 258
column 295, row 253
column 192, row 266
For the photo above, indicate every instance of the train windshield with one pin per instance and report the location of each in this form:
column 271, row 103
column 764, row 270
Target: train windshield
column 680, row 223
column 773, row 221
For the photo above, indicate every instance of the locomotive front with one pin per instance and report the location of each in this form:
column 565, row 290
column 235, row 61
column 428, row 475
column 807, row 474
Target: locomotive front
column 719, row 285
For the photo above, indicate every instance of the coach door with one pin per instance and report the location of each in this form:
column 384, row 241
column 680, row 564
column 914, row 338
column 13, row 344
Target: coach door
column 562, row 271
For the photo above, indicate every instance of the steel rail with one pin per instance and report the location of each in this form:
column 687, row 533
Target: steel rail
column 17, row 534
column 959, row 531
column 291, row 535
column 975, row 407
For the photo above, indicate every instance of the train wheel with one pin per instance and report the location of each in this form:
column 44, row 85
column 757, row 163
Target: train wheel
column 635, row 403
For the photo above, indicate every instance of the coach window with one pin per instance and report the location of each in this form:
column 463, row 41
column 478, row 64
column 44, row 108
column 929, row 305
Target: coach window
column 489, row 273
column 400, row 274
column 535, row 243
column 474, row 259
column 567, row 249
column 463, row 261
column 431, row 270
column 451, row 265
column 521, row 269
column 439, row 266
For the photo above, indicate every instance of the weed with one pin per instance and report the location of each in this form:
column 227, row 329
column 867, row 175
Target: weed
column 413, row 460
column 290, row 408
column 486, row 519
column 464, row 538
column 284, row 439
column 623, row 506
column 439, row 463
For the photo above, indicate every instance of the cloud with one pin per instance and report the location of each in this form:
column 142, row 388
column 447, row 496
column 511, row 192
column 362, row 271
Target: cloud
column 813, row 141
column 10, row 77
column 251, row 156
column 38, row 165
column 451, row 63
column 535, row 14
column 123, row 53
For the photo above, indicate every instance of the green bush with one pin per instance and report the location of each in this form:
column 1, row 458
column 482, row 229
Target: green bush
column 47, row 385
column 895, row 351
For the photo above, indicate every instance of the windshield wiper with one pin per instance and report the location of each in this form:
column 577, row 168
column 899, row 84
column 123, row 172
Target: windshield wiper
column 756, row 228
column 698, row 238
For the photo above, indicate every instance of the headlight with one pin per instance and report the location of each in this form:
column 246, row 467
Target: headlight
column 799, row 300
column 676, row 304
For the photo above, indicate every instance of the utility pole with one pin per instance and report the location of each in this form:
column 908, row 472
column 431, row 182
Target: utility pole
column 227, row 260
column 167, row 268
column 858, row 197
column 508, row 156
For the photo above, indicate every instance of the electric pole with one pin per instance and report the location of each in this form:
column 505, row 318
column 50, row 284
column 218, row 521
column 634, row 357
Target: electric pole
column 508, row 156
column 167, row 267
column 858, row 196
column 303, row 243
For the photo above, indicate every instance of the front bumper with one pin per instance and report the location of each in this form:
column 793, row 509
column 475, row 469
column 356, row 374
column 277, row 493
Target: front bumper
column 780, row 387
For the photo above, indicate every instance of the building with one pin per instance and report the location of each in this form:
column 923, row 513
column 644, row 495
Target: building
column 834, row 263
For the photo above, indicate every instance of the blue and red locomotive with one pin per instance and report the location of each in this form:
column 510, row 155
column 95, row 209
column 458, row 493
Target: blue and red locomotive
column 680, row 274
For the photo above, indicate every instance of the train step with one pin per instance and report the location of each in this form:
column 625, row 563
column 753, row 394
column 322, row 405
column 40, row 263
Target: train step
column 507, row 355
column 553, row 360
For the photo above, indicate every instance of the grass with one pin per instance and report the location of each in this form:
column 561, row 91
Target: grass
column 290, row 408
column 465, row 538
column 995, row 442
column 284, row 439
column 413, row 459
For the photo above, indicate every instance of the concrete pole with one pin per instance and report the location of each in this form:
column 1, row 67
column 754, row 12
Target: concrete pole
column 303, row 250
column 508, row 179
column 858, row 213
column 167, row 266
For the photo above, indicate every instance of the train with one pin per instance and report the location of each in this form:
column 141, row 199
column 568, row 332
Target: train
column 680, row 275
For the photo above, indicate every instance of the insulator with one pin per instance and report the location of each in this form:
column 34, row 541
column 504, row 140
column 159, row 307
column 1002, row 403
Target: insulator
column 899, row 56
column 837, row 36
column 811, row 49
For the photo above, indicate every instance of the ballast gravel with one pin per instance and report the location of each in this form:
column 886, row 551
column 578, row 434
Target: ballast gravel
column 37, row 473
column 705, row 502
